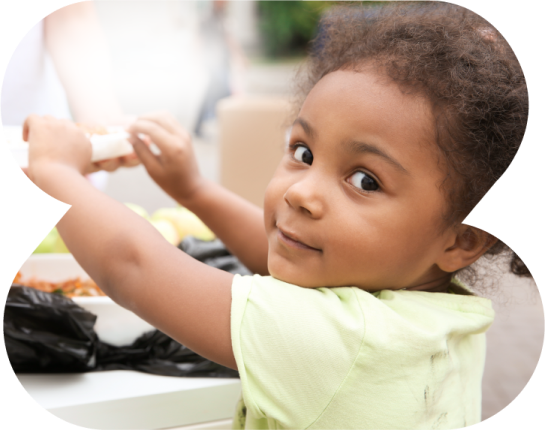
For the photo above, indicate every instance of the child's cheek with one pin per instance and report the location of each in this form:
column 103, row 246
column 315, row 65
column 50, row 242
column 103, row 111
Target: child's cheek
column 274, row 195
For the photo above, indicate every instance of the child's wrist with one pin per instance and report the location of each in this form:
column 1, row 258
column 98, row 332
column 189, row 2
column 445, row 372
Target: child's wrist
column 191, row 199
column 44, row 171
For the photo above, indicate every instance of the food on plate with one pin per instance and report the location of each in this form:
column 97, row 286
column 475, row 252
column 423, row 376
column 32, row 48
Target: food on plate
column 75, row 287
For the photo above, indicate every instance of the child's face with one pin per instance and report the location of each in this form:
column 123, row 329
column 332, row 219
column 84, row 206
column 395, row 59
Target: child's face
column 358, row 190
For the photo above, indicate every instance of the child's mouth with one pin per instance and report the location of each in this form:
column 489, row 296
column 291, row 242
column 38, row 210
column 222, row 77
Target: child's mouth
column 290, row 241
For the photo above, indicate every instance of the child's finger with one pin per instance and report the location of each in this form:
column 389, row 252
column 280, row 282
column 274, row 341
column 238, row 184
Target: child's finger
column 149, row 127
column 109, row 165
column 130, row 160
column 148, row 158
column 159, row 135
column 93, row 167
column 165, row 120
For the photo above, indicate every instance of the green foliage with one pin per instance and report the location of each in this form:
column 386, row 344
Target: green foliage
column 287, row 26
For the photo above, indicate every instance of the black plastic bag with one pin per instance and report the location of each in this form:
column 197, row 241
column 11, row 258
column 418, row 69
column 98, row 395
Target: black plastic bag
column 50, row 333
column 47, row 332
column 155, row 352
column 213, row 253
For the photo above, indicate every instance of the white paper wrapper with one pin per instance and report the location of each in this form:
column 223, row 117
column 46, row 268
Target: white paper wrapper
column 112, row 145
column 105, row 146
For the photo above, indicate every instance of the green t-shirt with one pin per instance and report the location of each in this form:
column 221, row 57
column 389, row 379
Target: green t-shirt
column 343, row 358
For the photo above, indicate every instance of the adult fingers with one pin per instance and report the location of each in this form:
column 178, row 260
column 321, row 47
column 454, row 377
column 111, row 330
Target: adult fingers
column 30, row 121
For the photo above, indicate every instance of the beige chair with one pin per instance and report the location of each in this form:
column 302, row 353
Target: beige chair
column 252, row 137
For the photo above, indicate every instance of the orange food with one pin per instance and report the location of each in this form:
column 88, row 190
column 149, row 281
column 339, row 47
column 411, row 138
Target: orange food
column 74, row 287
column 18, row 277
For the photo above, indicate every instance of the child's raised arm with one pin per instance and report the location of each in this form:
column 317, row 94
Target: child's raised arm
column 124, row 254
column 237, row 222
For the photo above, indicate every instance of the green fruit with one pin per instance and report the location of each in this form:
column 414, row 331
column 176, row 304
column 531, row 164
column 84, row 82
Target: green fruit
column 166, row 213
column 48, row 243
column 59, row 247
column 185, row 222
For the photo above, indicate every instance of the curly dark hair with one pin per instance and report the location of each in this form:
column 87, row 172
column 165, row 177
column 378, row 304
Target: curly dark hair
column 464, row 67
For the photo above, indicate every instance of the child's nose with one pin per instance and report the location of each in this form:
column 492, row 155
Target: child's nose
column 306, row 196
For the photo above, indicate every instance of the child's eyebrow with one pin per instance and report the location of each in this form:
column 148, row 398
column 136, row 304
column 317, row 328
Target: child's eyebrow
column 306, row 126
column 356, row 146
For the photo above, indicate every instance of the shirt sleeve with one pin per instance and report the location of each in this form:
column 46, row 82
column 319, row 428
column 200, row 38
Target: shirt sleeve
column 293, row 346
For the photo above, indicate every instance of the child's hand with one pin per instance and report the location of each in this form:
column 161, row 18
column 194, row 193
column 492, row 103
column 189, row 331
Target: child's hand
column 55, row 141
column 175, row 170
column 112, row 164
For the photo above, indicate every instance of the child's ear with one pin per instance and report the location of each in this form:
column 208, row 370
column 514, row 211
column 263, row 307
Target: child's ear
column 469, row 244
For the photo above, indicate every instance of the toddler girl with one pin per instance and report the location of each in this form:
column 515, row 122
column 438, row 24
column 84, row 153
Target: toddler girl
column 354, row 318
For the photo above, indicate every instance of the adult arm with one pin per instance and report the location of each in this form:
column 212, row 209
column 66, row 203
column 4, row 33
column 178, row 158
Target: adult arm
column 79, row 50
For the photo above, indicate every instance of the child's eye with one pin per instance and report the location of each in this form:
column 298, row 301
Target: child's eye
column 303, row 154
column 364, row 181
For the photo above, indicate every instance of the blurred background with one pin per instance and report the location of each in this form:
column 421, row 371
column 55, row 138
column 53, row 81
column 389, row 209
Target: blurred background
column 160, row 52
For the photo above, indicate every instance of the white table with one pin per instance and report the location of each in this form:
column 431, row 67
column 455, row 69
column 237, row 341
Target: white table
column 123, row 399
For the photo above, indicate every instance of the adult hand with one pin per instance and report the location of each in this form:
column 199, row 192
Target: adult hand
column 175, row 169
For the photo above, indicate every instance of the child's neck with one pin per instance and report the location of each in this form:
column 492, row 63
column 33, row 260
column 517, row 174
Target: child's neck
column 439, row 285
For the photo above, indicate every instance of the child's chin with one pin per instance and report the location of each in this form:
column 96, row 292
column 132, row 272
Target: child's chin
column 299, row 279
